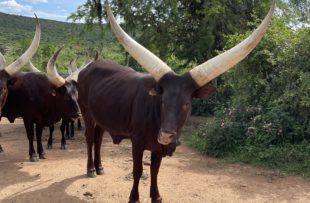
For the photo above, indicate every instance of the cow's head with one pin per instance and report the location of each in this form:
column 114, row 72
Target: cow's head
column 64, row 90
column 178, row 91
column 7, row 71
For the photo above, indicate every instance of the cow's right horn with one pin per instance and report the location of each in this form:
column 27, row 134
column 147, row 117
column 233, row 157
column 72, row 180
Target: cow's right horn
column 32, row 68
column 22, row 60
column 156, row 67
column 2, row 61
column 75, row 74
column 72, row 66
column 51, row 70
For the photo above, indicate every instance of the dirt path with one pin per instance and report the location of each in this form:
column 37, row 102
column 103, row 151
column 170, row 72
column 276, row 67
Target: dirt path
column 185, row 177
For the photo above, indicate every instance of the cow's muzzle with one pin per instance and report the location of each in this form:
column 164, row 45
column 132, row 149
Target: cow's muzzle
column 166, row 137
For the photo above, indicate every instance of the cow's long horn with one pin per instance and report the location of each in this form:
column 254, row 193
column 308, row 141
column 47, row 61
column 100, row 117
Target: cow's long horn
column 214, row 67
column 51, row 70
column 2, row 61
column 75, row 74
column 22, row 60
column 72, row 65
column 32, row 68
column 156, row 67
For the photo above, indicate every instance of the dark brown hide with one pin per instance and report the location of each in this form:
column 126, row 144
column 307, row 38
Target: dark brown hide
column 4, row 76
column 34, row 98
column 117, row 99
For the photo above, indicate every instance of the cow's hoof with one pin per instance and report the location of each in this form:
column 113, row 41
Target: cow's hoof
column 157, row 200
column 49, row 146
column 91, row 173
column 42, row 156
column 133, row 201
column 63, row 146
column 100, row 171
column 33, row 158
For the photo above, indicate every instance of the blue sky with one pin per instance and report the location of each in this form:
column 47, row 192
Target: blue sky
column 48, row 9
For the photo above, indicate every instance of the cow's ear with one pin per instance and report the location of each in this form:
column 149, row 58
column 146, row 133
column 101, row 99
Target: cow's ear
column 204, row 92
column 151, row 86
column 14, row 82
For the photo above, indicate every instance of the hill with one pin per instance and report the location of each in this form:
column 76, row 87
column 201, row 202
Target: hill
column 17, row 32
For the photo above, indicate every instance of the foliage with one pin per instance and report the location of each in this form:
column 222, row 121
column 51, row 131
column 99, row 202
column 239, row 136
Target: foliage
column 268, row 121
column 18, row 32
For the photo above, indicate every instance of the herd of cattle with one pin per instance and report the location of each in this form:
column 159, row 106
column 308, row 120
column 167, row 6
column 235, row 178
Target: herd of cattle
column 149, row 109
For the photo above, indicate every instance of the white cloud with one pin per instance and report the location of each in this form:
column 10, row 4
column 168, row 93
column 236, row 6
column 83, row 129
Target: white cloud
column 53, row 16
column 14, row 6
column 36, row 1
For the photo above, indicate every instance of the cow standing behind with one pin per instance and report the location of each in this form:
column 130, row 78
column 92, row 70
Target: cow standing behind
column 67, row 124
column 7, row 71
column 148, row 109
column 41, row 100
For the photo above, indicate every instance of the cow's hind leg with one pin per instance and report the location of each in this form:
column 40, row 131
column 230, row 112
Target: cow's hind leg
column 89, row 135
column 97, row 145
column 71, row 129
column 40, row 149
column 50, row 138
column 62, row 130
column 1, row 150
column 79, row 124
column 30, row 134
column 155, row 164
column 137, row 155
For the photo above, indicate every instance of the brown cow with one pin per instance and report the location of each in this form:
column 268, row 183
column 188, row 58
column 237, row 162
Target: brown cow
column 148, row 109
column 41, row 100
column 7, row 71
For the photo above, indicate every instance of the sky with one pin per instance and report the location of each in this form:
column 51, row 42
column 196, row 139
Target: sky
column 46, row 9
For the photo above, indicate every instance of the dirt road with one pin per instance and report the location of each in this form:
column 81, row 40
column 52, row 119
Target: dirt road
column 185, row 177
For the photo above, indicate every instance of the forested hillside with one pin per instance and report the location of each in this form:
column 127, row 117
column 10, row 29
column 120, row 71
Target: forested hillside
column 17, row 33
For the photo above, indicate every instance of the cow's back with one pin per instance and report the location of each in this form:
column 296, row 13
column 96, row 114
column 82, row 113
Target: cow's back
column 29, row 96
column 116, row 98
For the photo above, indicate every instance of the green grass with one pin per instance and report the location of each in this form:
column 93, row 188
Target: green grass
column 292, row 159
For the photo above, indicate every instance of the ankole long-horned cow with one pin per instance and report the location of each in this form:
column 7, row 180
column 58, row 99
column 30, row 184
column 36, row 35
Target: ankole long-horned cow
column 7, row 71
column 149, row 109
column 42, row 100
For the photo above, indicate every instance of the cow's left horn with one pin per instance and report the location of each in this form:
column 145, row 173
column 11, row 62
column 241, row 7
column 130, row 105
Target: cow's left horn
column 51, row 70
column 21, row 61
column 214, row 67
column 2, row 61
column 156, row 67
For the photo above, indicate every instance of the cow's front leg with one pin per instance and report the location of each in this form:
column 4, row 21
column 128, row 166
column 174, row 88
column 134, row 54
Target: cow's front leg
column 155, row 164
column 1, row 150
column 30, row 134
column 97, row 146
column 40, row 149
column 137, row 156
column 89, row 135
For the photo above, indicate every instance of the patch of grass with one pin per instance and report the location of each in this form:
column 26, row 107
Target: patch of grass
column 289, row 158
column 293, row 159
